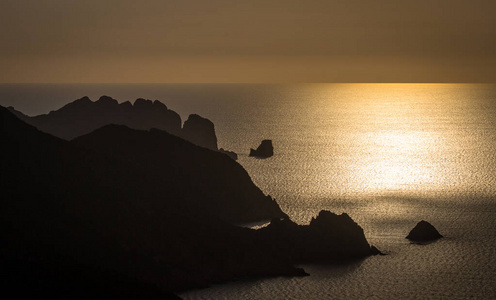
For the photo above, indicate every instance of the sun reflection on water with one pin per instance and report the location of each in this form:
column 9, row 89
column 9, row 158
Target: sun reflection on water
column 360, row 140
column 397, row 160
column 416, row 139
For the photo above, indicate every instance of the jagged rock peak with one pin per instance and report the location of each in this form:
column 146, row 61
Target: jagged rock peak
column 328, row 235
column 326, row 218
column 74, row 105
column 140, row 102
column 83, row 116
column 106, row 100
column 159, row 104
column 78, row 102
column 194, row 118
column 84, row 99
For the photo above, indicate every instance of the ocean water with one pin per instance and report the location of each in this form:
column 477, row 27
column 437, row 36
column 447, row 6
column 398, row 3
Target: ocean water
column 389, row 155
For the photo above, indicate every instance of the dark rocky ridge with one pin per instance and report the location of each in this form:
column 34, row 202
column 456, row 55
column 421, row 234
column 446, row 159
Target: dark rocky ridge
column 424, row 232
column 82, row 116
column 264, row 150
column 205, row 179
column 86, row 215
column 327, row 237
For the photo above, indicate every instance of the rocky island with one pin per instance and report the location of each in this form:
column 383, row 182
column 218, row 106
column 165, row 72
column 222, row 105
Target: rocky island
column 264, row 150
column 424, row 232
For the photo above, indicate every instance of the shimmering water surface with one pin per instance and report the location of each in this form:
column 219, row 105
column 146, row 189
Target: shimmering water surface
column 390, row 155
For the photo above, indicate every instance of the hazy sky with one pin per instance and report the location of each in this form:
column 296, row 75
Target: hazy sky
column 247, row 41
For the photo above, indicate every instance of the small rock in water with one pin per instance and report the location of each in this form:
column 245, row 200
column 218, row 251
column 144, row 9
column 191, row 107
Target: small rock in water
column 264, row 150
column 424, row 232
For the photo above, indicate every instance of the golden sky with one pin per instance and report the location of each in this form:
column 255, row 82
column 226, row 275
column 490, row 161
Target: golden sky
column 100, row 41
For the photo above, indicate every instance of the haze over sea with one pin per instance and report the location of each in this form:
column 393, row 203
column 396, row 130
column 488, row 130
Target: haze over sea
column 389, row 155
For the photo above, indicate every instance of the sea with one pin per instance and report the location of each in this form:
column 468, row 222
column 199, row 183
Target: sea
column 389, row 155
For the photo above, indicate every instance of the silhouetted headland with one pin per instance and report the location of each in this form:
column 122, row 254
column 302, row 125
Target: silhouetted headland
column 82, row 116
column 201, row 179
column 424, row 232
column 264, row 150
column 327, row 237
column 125, row 213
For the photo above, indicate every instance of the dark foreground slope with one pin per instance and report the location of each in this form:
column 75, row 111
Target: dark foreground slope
column 52, row 221
column 66, row 210
column 76, row 223
column 201, row 179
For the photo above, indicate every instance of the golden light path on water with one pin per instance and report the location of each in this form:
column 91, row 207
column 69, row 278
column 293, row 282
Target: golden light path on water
column 398, row 139
column 396, row 151
column 412, row 140
column 356, row 141
column 397, row 165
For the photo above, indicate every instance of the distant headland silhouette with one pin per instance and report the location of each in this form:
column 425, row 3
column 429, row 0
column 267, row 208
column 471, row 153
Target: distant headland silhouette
column 82, row 116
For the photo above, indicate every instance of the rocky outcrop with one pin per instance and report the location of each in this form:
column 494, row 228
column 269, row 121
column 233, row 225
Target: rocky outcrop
column 327, row 237
column 264, row 150
column 200, row 131
column 424, row 232
column 206, row 180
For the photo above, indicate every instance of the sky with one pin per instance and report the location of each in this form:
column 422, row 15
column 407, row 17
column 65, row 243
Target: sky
column 234, row 41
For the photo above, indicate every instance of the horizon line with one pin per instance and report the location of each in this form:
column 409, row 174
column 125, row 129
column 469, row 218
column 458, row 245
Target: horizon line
column 247, row 83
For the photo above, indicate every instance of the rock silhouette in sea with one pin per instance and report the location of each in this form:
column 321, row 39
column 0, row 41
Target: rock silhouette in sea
column 328, row 237
column 424, row 232
column 264, row 150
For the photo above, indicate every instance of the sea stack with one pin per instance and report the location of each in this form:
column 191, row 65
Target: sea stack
column 264, row 150
column 424, row 232
column 200, row 131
